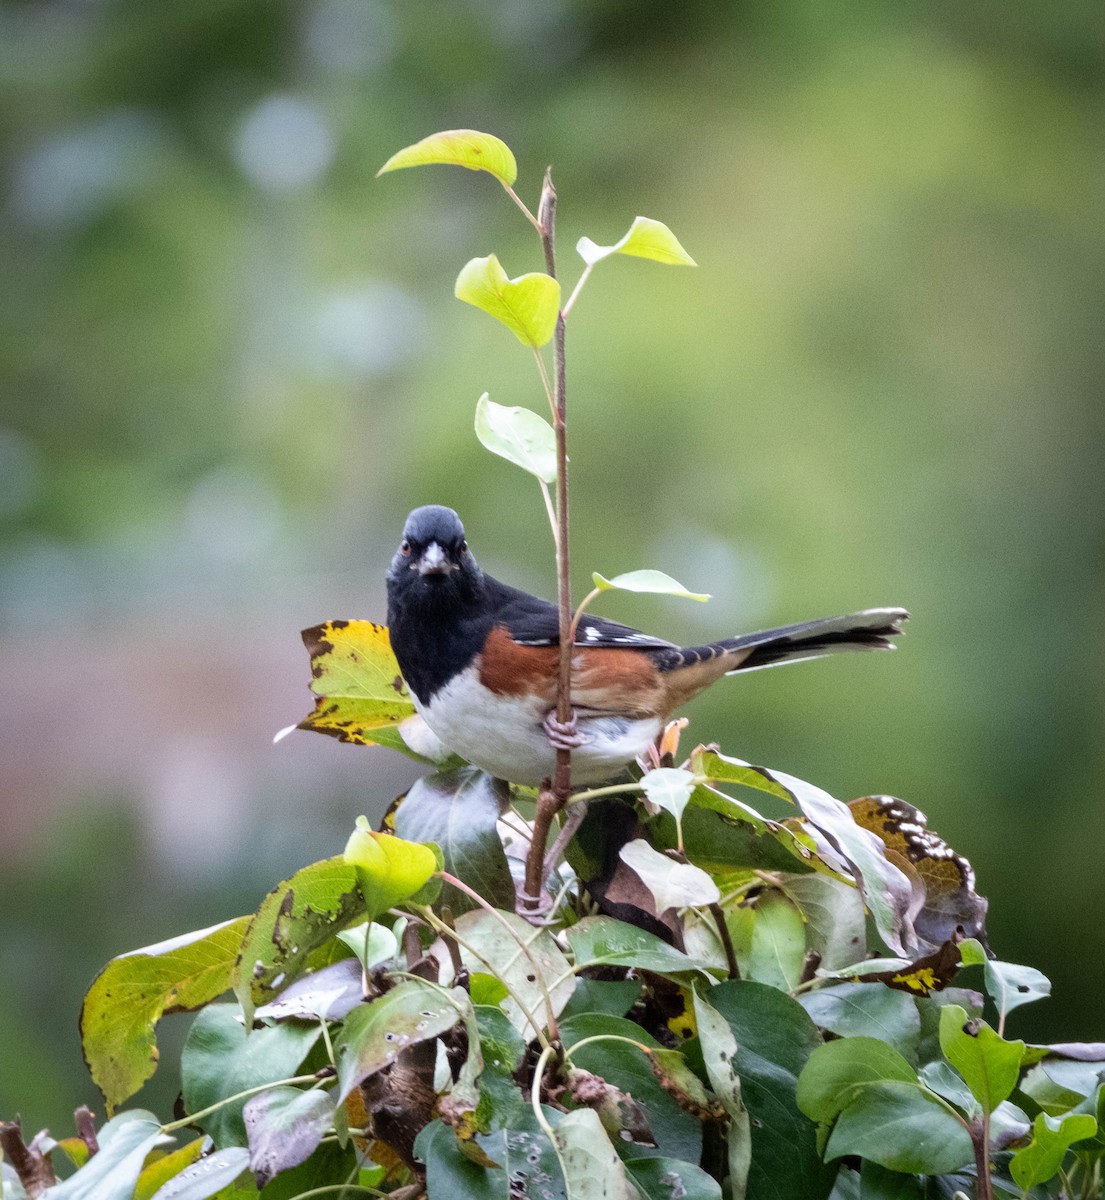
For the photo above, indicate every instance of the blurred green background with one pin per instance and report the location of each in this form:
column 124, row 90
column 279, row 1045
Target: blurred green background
column 231, row 361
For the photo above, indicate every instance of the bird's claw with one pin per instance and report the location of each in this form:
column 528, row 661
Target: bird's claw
column 564, row 735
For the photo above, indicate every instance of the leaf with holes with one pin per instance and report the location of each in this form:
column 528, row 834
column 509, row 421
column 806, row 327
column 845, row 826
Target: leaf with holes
column 988, row 1063
column 284, row 1125
column 373, row 1034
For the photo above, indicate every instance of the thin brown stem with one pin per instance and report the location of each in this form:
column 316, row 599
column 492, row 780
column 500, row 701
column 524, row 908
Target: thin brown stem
column 726, row 940
column 980, row 1138
column 555, row 794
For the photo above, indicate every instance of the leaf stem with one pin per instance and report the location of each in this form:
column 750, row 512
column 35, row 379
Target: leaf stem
column 578, row 288
column 522, row 205
column 192, row 1118
column 535, row 1101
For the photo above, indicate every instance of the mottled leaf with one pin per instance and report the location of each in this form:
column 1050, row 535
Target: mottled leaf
column 660, row 1178
column 528, row 306
column 328, row 994
column 130, row 995
column 719, row 1054
column 1011, row 985
column 294, row 918
column 592, row 1168
column 160, row 1170
column 284, row 1126
column 461, row 148
column 459, row 810
column 519, row 435
column 778, row 950
column 645, row 238
column 373, row 1034
column 603, row 941
column 219, row 1061
column 361, row 696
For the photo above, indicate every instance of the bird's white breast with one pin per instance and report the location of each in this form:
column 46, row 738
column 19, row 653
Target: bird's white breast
column 504, row 734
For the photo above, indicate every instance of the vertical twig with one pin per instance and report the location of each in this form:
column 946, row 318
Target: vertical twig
column 554, row 795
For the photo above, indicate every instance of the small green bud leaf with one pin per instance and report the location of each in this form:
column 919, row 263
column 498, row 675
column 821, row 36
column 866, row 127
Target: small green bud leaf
column 646, row 239
column 390, row 869
column 528, row 306
column 518, row 435
column 646, row 581
column 460, row 148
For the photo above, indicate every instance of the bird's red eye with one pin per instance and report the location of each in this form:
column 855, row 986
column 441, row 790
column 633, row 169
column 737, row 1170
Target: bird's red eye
column 404, row 547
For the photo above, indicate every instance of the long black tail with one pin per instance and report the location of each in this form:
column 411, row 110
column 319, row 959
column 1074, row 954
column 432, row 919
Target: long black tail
column 871, row 629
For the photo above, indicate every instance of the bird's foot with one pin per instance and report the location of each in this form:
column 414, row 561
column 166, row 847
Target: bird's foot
column 564, row 735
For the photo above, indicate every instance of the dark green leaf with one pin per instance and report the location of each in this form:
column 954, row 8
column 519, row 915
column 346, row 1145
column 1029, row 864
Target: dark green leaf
column 677, row 1133
column 612, row 998
column 449, row 1173
column 718, row 838
column 930, row 1007
column 284, row 1126
column 867, row 1009
column 719, row 1055
column 373, row 1034
column 989, row 1064
column 129, row 996
column 836, row 924
column 901, row 1126
column 778, row 950
column 459, row 810
column 219, row 1061
column 877, row 1183
column 663, row 1178
column 112, row 1173
column 207, row 1177
column 775, row 1038
column 608, row 942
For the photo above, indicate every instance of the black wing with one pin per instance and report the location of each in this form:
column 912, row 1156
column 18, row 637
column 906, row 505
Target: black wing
column 535, row 622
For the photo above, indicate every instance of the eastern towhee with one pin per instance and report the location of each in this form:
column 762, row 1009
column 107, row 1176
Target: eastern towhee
column 481, row 660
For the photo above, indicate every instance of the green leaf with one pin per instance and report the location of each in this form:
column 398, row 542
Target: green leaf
column 661, row 1178
column 646, row 238
column 1011, row 985
column 719, row 1055
column 361, row 696
column 778, row 942
column 284, row 1126
column 459, row 810
column 389, row 869
column 219, row 1061
column 519, row 435
column 207, row 1177
column 901, row 1126
column 678, row 1133
column 133, row 992
column 381, row 946
column 858, row 1009
column 528, row 974
column 450, row 1173
column 460, row 148
column 528, row 306
column 613, row 997
column 298, row 915
column 112, row 1173
column 1051, row 1138
column 774, row 1038
column 672, row 884
column 652, row 582
column 592, row 1168
column 988, row 1063
column 373, row 1034
column 604, row 941
column 837, row 1073
column 836, row 924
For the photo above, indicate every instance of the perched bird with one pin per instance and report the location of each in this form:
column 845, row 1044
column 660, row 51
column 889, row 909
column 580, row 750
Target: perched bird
column 481, row 660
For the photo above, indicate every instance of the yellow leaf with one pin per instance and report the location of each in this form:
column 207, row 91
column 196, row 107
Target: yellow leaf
column 460, row 148
column 528, row 306
column 645, row 238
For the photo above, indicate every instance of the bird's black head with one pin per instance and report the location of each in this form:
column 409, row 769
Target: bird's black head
column 433, row 561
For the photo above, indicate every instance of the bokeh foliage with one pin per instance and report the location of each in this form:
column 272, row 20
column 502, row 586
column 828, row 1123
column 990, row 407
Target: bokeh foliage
column 228, row 369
